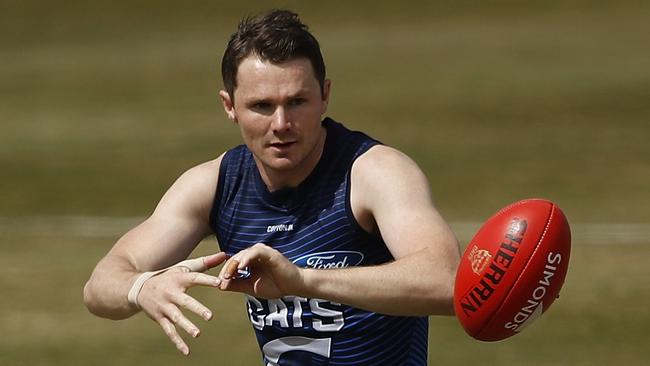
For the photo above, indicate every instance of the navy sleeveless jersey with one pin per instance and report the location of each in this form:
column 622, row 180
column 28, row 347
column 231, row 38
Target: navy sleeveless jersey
column 313, row 226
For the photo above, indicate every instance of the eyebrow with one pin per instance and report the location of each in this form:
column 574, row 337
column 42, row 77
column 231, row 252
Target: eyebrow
column 300, row 94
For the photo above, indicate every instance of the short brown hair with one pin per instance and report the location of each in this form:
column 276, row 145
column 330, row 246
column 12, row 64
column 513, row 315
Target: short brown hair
column 276, row 36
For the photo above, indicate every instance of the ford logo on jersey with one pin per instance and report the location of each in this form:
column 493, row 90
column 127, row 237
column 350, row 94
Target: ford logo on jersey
column 329, row 260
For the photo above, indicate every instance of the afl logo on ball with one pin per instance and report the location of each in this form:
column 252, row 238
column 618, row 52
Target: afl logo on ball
column 479, row 259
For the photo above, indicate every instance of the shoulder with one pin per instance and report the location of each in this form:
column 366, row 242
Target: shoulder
column 391, row 192
column 384, row 181
column 202, row 175
column 194, row 190
column 383, row 164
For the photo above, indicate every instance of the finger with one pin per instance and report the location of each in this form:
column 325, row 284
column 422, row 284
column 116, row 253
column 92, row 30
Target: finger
column 231, row 269
column 234, row 270
column 177, row 318
column 226, row 266
column 238, row 286
column 172, row 334
column 190, row 279
column 214, row 260
column 255, row 254
column 188, row 302
column 188, row 327
column 200, row 279
column 202, row 264
column 194, row 265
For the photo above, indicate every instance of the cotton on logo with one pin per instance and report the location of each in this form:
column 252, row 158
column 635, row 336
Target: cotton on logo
column 278, row 228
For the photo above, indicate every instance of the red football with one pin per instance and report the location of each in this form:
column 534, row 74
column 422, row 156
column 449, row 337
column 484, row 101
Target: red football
column 512, row 270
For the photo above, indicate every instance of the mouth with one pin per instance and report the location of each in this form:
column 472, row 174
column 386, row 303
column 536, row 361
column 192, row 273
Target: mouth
column 282, row 145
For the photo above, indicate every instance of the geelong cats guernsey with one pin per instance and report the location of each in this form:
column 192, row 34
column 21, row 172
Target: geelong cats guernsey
column 313, row 226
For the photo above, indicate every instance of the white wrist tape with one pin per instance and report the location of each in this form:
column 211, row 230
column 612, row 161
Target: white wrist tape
column 194, row 265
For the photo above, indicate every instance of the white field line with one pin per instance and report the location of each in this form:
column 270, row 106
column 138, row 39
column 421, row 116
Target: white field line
column 82, row 226
column 98, row 226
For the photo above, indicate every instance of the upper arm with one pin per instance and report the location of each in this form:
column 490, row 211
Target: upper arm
column 392, row 191
column 179, row 222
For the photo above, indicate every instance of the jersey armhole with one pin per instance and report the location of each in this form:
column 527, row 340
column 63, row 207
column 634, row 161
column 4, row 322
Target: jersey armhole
column 348, row 204
column 214, row 211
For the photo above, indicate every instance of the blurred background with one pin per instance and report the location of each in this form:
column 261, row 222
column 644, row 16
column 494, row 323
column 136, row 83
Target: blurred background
column 104, row 103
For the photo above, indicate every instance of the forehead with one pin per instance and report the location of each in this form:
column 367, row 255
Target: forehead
column 259, row 78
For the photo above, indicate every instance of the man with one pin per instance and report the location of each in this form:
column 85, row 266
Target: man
column 331, row 235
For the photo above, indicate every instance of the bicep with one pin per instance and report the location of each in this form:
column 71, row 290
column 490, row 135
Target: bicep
column 397, row 194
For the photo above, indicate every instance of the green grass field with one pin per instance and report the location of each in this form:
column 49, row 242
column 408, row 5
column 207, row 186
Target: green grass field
column 104, row 104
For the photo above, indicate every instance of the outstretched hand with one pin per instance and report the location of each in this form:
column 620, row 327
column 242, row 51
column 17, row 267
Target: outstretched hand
column 163, row 296
column 272, row 275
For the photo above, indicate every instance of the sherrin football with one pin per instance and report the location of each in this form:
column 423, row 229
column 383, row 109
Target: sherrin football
column 512, row 270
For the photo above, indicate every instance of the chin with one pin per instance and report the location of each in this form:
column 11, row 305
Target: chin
column 279, row 163
column 282, row 164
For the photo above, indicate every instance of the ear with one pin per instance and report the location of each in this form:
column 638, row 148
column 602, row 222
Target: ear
column 228, row 105
column 327, row 85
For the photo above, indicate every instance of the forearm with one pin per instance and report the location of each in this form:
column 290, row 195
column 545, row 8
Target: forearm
column 408, row 286
column 155, row 244
column 105, row 293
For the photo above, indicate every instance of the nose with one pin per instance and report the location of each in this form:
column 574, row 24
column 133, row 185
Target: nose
column 280, row 120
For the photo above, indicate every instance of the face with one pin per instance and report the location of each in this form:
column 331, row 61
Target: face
column 278, row 108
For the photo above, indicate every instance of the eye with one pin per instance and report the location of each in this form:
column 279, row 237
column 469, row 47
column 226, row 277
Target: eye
column 297, row 102
column 261, row 106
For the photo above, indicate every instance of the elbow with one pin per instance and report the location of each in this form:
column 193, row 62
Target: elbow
column 438, row 302
column 450, row 285
column 103, row 293
column 448, row 305
column 89, row 298
column 441, row 291
column 93, row 302
column 441, row 296
column 443, row 303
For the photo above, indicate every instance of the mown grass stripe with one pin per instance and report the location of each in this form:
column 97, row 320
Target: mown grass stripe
column 102, row 226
